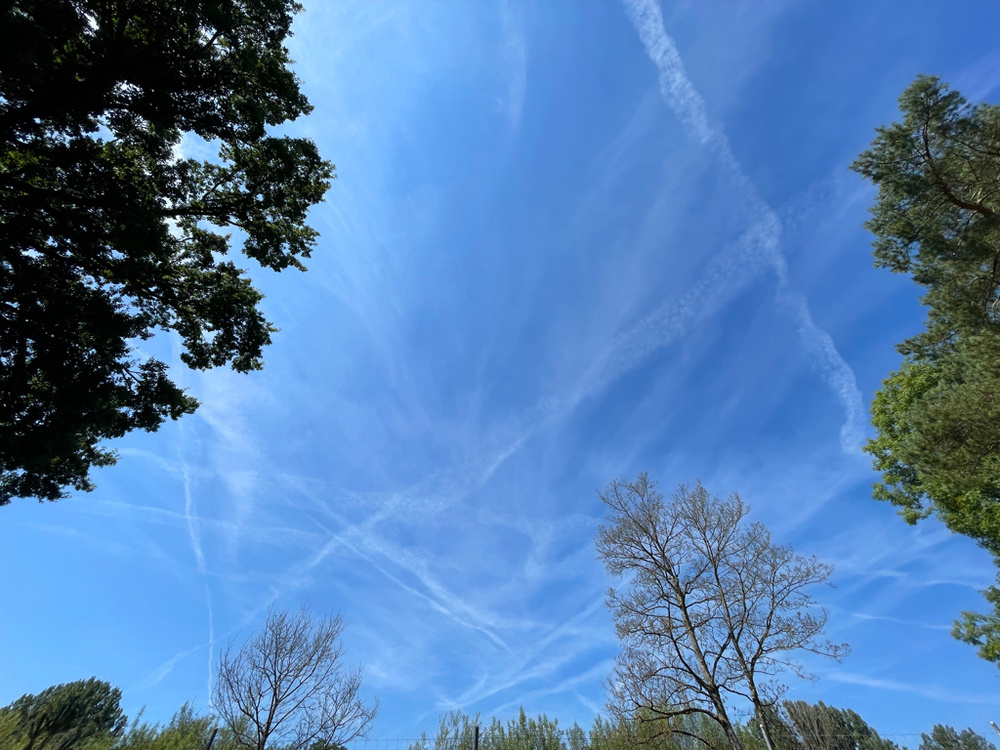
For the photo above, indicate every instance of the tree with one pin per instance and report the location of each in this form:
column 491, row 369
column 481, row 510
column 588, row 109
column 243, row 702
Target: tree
column 780, row 733
column 110, row 232
column 713, row 611
column 525, row 733
column 63, row 717
column 457, row 731
column 946, row 738
column 288, row 685
column 937, row 418
column 822, row 727
column 185, row 731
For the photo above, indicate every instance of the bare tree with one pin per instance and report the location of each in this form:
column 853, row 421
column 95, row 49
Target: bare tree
column 713, row 612
column 289, row 685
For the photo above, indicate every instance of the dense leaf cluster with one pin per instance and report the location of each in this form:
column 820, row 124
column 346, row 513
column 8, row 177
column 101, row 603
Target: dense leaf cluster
column 937, row 218
column 109, row 233
column 77, row 715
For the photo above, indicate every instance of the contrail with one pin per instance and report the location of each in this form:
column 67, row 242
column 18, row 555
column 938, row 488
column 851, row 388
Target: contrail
column 194, row 533
column 194, row 527
column 760, row 245
column 727, row 273
column 211, row 643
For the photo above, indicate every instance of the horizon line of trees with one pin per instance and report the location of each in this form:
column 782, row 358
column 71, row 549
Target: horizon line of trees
column 86, row 715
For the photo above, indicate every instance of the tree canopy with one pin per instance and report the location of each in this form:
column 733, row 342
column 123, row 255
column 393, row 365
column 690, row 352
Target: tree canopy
column 943, row 737
column 937, row 418
column 111, row 232
column 63, row 717
column 84, row 715
column 822, row 727
column 713, row 610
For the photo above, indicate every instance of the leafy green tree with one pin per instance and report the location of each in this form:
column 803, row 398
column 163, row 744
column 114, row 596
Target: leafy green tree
column 576, row 738
column 9, row 729
column 74, row 716
column 605, row 735
column 185, row 731
column 937, row 218
column 654, row 731
column 456, row 731
column 946, row 738
column 111, row 231
column 822, row 727
column 523, row 733
column 780, row 732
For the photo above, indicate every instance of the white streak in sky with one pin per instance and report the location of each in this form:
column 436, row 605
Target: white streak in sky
column 155, row 677
column 362, row 541
column 193, row 523
column 931, row 692
column 979, row 80
column 675, row 87
column 515, row 57
column 727, row 273
column 211, row 644
column 898, row 620
column 194, row 533
column 759, row 247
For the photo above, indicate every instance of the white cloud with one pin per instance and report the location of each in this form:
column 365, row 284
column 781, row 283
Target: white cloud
column 761, row 243
column 514, row 57
column 929, row 691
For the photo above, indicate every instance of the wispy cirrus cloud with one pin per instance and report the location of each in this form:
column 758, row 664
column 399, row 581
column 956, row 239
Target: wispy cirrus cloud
column 547, row 654
column 760, row 244
column 514, row 54
column 929, row 691
column 158, row 674
column 864, row 616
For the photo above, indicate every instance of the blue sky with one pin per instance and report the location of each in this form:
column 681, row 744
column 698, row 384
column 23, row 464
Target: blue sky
column 569, row 242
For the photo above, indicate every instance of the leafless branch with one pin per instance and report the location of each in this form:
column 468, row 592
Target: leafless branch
column 713, row 607
column 288, row 685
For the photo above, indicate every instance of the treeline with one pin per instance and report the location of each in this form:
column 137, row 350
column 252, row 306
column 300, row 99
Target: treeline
column 86, row 715
column 286, row 687
column 796, row 726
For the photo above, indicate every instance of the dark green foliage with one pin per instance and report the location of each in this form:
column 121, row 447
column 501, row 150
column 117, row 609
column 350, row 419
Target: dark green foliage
column 938, row 177
column 946, row 738
column 109, row 234
column 822, row 727
column 938, row 417
column 73, row 716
